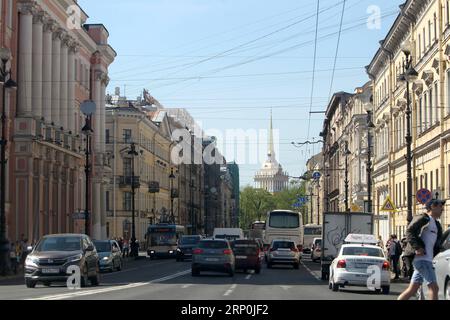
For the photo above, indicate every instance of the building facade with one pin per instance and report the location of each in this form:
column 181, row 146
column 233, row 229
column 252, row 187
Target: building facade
column 58, row 66
column 314, row 190
column 426, row 24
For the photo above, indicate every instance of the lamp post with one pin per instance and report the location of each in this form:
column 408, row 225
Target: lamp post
column 171, row 177
column 409, row 75
column 370, row 126
column 8, row 83
column 346, row 153
column 133, row 245
column 87, row 108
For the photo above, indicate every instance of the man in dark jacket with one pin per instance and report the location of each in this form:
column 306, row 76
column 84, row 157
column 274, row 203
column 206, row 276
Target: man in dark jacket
column 424, row 236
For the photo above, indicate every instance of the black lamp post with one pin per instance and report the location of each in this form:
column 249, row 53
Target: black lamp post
column 370, row 126
column 346, row 153
column 409, row 75
column 8, row 83
column 134, row 250
column 172, row 195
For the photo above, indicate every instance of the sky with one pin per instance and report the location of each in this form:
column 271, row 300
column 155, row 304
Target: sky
column 230, row 62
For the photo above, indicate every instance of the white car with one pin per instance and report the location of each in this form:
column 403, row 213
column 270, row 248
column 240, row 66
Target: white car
column 353, row 267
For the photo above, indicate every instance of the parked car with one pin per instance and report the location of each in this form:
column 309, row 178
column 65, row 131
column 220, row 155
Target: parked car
column 185, row 246
column 53, row 254
column 109, row 255
column 213, row 255
column 350, row 267
column 283, row 252
column 247, row 255
column 316, row 249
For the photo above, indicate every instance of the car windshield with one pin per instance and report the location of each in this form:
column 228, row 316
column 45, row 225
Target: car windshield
column 189, row 240
column 102, row 246
column 283, row 245
column 362, row 251
column 213, row 244
column 59, row 244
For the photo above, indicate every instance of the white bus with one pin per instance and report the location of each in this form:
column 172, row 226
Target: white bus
column 162, row 239
column 284, row 225
column 310, row 232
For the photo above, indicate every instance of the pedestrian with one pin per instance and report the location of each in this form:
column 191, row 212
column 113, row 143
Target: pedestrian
column 126, row 247
column 395, row 251
column 424, row 235
column 120, row 242
column 13, row 258
column 407, row 259
column 18, row 249
column 380, row 242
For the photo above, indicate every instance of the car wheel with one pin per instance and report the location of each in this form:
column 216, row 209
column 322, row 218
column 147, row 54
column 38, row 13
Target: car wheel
column 195, row 272
column 119, row 267
column 385, row 289
column 447, row 290
column 335, row 287
column 30, row 283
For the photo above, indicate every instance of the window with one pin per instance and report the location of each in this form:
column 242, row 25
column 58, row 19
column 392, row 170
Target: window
column 424, row 111
column 107, row 201
column 76, row 69
column 437, row 178
column 127, row 201
column 107, row 136
column 435, row 27
column 429, row 33
column 420, row 46
column 419, row 116
column 404, row 193
column 448, row 91
column 421, row 181
column 426, row 180
column 436, row 108
column 127, row 167
column 127, row 135
column 424, row 42
column 431, row 107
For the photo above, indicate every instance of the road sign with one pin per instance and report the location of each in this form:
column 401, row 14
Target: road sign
column 355, row 208
column 316, row 175
column 388, row 205
column 423, row 195
column 381, row 217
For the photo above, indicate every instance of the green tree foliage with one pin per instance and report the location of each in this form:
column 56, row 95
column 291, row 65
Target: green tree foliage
column 255, row 203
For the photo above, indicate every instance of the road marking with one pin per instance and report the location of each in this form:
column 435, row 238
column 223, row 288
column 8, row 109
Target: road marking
column 248, row 276
column 137, row 268
column 186, row 286
column 286, row 287
column 310, row 271
column 229, row 291
column 107, row 290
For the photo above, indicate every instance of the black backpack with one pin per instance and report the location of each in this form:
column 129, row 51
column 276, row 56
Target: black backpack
column 398, row 248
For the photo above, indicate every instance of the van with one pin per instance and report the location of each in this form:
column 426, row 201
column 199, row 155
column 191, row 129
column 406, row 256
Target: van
column 228, row 233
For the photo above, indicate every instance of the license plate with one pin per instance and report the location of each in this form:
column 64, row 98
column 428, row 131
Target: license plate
column 50, row 270
column 362, row 275
column 212, row 259
column 241, row 257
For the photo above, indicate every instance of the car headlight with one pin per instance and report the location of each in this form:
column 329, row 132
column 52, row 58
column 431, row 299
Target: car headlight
column 75, row 258
column 178, row 249
column 152, row 251
column 171, row 251
column 106, row 258
column 31, row 261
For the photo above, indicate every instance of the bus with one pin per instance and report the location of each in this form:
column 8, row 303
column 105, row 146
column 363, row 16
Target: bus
column 284, row 225
column 257, row 230
column 310, row 232
column 162, row 239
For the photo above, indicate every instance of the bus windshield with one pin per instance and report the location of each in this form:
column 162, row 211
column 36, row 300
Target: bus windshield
column 162, row 239
column 316, row 231
column 284, row 220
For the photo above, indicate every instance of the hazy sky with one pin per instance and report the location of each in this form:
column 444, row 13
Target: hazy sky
column 228, row 62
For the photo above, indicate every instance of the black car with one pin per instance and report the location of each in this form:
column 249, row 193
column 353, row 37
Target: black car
column 54, row 254
column 185, row 246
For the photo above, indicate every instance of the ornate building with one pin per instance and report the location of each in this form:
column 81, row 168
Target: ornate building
column 271, row 177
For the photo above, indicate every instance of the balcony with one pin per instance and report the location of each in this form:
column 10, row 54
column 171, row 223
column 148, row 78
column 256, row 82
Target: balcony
column 125, row 181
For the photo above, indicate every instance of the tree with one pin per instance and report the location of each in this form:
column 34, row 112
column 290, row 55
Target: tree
column 255, row 203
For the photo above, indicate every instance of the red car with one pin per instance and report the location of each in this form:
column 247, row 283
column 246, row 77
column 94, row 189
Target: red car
column 247, row 255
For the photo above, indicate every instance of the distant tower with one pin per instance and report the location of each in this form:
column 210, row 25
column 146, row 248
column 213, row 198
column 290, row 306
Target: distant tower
column 271, row 177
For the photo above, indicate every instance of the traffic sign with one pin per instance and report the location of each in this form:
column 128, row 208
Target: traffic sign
column 423, row 195
column 316, row 175
column 388, row 205
column 355, row 208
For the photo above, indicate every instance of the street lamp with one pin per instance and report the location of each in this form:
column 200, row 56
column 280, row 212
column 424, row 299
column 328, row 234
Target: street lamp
column 409, row 75
column 87, row 108
column 8, row 83
column 370, row 127
column 346, row 153
column 171, row 177
column 133, row 246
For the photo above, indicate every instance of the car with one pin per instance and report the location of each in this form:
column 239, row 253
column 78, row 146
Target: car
column 109, row 255
column 247, row 255
column 316, row 249
column 185, row 246
column 213, row 255
column 442, row 268
column 351, row 267
column 283, row 252
column 53, row 254
column 261, row 248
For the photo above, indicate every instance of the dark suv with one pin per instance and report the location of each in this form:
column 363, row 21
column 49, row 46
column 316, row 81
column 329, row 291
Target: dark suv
column 247, row 255
column 53, row 254
column 185, row 246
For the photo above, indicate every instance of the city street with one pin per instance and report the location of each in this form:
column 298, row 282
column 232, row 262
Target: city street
column 169, row 280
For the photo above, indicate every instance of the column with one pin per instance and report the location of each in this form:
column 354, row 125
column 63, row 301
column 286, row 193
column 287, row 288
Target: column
column 37, row 64
column 103, row 111
column 97, row 116
column 95, row 211
column 64, row 82
column 71, row 87
column 56, row 77
column 25, row 59
column 47, row 70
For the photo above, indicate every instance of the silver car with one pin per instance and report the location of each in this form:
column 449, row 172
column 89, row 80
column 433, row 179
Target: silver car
column 283, row 252
column 109, row 254
column 213, row 255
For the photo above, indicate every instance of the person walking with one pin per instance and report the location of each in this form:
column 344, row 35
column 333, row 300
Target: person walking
column 126, row 247
column 13, row 258
column 424, row 236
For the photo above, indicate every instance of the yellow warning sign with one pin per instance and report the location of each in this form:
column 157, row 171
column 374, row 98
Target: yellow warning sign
column 388, row 205
column 355, row 208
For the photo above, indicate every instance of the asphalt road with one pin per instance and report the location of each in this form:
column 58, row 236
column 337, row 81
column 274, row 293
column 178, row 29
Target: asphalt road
column 170, row 280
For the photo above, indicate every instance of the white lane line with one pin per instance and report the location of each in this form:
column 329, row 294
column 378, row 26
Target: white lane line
column 229, row 291
column 311, row 272
column 186, row 285
column 248, row 276
column 107, row 290
column 286, row 287
column 132, row 269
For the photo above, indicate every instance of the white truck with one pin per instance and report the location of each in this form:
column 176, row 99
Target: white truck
column 335, row 228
